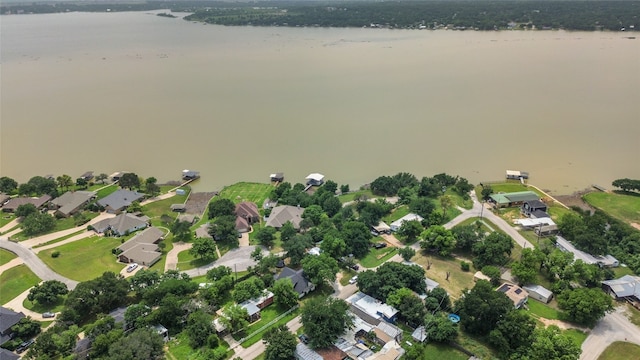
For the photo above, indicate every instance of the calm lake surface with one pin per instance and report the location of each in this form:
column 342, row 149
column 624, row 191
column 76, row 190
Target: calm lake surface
column 134, row 91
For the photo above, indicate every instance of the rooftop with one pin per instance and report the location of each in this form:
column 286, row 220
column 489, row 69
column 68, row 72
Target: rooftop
column 120, row 199
column 283, row 213
column 625, row 286
column 566, row 245
column 514, row 292
column 375, row 308
column 408, row 217
column 520, row 196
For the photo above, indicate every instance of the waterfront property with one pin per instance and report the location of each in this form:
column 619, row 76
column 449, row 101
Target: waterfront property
column 119, row 200
column 142, row 248
column 395, row 226
column 190, row 175
column 283, row 214
column 534, row 209
column 72, row 201
column 512, row 199
column 516, row 175
column 246, row 214
column 13, row 204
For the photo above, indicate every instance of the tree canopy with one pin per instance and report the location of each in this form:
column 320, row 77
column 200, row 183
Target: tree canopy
column 324, row 319
column 481, row 308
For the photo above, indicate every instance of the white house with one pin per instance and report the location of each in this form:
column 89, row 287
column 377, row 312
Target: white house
column 409, row 217
column 539, row 292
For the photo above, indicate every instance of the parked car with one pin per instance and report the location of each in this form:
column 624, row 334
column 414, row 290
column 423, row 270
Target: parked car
column 304, row 338
column 353, row 280
column 22, row 347
column 132, row 267
column 48, row 315
column 355, row 267
column 380, row 245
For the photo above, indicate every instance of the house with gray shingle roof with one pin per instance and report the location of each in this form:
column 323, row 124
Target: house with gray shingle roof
column 283, row 213
column 121, row 225
column 8, row 318
column 142, row 248
column 12, row 204
column 71, row 201
column 118, row 201
column 300, row 283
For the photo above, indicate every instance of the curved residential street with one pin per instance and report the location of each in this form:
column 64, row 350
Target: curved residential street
column 35, row 264
column 615, row 326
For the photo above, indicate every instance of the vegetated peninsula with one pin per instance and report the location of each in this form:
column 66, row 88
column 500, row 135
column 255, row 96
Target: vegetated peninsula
column 453, row 14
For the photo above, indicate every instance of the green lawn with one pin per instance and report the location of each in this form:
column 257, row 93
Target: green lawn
column 355, row 194
column 187, row 261
column 621, row 271
column 84, row 259
column 458, row 279
column 163, row 207
column 375, row 257
column 476, row 346
column 245, row 191
column 6, row 256
column 60, row 239
column 39, row 308
column 458, row 200
column 107, row 190
column 267, row 314
column 6, row 218
column 625, row 207
column 539, row 309
column 576, row 335
column 621, row 351
column 396, row 214
column 440, row 351
column 178, row 348
column 15, row 281
column 61, row 224
column 347, row 274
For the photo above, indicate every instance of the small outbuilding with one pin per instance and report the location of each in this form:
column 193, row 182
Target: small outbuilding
column 539, row 293
column 315, row 179
column 277, row 177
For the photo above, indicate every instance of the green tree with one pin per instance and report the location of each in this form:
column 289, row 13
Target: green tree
column 140, row 344
column 287, row 231
column 25, row 210
column 100, row 345
column 422, row 206
column 296, row 248
column 48, row 292
column 203, row 249
column 314, row 213
column 38, row 223
column 446, row 202
column 82, row 183
column 129, row 181
column 551, row 343
column 333, row 246
column 389, row 277
column 493, row 250
column 440, row 329
column 357, row 237
column 585, row 306
column 218, row 273
column 284, row 295
column 181, row 230
column 513, row 334
column 235, row 318
column 437, row 300
column 409, row 306
column 487, row 190
column 266, row 236
column 221, row 207
column 466, row 236
column 439, row 238
column 344, row 188
column 481, row 308
column 281, row 343
column 331, row 206
column 198, row 329
column 324, row 319
column 410, row 230
column 64, row 182
column 8, row 185
column 102, row 177
column 136, row 316
column 41, row 185
column 26, row 328
column 320, row 269
column 151, row 186
column 247, row 289
column 223, row 229
column 493, row 272
column 407, row 253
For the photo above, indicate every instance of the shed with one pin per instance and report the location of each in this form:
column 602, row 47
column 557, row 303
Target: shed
column 178, row 207
column 181, row 192
column 480, row 276
column 419, row 334
column 539, row 292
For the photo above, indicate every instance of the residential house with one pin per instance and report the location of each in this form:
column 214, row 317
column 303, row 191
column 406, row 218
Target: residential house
column 282, row 214
column 8, row 355
column 162, row 331
column 277, row 177
column 626, row 287
column 13, row 203
column 303, row 352
column 4, row 198
column 539, row 293
column 248, row 211
column 395, row 226
column 252, row 310
column 517, row 294
column 431, row 284
column 300, row 283
column 83, row 346
column 512, row 199
column 142, row 248
column 381, row 228
column 121, row 225
column 190, row 175
column 606, row 261
column 190, row 218
column 532, row 223
column 8, row 318
column 371, row 310
column 119, row 200
column 72, row 201
column 534, row 209
column 332, row 353
column 390, row 351
column 386, row 332
column 315, row 179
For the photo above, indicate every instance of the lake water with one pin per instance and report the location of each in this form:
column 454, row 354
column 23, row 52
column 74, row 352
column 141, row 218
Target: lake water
column 134, row 91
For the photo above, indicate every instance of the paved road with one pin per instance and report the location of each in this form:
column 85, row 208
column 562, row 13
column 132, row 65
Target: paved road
column 615, row 326
column 237, row 259
column 35, row 264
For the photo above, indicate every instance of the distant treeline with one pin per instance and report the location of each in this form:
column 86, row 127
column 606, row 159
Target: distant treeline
column 453, row 14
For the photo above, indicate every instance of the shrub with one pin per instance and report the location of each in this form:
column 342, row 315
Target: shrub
column 464, row 266
column 55, row 254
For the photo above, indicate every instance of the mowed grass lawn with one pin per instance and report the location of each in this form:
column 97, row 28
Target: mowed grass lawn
column 376, row 257
column 84, row 259
column 245, row 191
column 15, row 281
column 6, row 256
column 618, row 205
column 160, row 207
column 187, row 261
column 621, row 351
column 458, row 279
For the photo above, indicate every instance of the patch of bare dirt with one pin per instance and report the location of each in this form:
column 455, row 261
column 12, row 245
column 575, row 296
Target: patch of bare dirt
column 575, row 199
column 197, row 202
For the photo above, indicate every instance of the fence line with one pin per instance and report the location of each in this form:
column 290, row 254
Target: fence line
column 263, row 327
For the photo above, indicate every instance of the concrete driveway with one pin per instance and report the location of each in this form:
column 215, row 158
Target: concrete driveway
column 237, row 259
